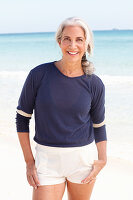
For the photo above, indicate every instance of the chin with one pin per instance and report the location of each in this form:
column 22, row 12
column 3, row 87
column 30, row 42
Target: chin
column 73, row 59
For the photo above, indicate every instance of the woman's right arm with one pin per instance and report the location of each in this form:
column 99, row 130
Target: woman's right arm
column 24, row 112
column 26, row 147
column 29, row 159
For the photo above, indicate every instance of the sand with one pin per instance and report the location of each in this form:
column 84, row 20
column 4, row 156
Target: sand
column 114, row 182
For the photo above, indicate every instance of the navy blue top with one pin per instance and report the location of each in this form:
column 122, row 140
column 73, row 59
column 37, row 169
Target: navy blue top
column 69, row 111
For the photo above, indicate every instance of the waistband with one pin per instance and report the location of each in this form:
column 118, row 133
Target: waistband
column 63, row 149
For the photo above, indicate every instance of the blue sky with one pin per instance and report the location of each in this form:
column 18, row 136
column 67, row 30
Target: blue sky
column 45, row 15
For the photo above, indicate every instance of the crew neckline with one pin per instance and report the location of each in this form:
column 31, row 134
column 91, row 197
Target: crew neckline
column 76, row 77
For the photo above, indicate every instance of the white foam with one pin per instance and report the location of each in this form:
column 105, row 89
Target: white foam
column 13, row 74
column 107, row 79
column 113, row 80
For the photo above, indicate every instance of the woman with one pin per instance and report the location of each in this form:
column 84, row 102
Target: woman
column 68, row 100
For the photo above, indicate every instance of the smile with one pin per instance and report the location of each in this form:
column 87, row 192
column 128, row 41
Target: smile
column 72, row 53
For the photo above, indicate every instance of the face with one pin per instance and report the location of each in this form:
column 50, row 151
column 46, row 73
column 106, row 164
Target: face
column 72, row 43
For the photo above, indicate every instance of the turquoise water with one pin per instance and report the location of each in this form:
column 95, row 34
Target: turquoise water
column 113, row 61
column 112, row 52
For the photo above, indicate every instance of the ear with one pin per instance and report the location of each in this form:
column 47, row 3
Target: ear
column 59, row 42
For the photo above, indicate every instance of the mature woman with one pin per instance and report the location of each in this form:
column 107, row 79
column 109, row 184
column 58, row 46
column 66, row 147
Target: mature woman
column 68, row 102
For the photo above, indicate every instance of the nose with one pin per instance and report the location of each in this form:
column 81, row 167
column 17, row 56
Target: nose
column 72, row 44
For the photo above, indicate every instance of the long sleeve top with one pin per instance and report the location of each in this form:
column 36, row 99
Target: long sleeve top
column 69, row 111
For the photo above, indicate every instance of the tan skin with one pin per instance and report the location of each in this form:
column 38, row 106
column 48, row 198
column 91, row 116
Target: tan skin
column 72, row 41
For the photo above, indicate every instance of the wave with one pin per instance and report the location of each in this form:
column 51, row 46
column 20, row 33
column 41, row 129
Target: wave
column 13, row 74
column 113, row 80
column 107, row 79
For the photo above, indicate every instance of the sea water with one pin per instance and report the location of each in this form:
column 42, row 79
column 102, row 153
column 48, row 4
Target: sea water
column 113, row 61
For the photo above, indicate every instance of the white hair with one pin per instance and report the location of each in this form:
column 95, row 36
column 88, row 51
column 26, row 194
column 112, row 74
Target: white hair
column 75, row 21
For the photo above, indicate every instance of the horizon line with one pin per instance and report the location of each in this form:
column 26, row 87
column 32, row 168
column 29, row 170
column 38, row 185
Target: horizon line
column 113, row 29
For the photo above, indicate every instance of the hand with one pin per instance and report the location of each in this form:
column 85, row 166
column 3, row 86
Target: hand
column 32, row 174
column 97, row 166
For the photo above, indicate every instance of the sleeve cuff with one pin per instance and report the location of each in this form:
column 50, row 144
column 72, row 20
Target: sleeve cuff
column 22, row 123
column 100, row 134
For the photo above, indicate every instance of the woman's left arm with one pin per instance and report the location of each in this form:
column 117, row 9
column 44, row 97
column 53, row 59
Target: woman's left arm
column 97, row 113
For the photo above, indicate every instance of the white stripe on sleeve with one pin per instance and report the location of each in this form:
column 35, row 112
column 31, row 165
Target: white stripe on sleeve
column 99, row 125
column 23, row 113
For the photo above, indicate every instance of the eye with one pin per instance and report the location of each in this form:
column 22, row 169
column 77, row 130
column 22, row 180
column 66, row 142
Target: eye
column 66, row 39
column 80, row 39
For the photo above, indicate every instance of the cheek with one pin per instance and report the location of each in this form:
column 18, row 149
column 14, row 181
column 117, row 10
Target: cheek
column 82, row 51
column 85, row 47
column 82, row 47
column 63, row 47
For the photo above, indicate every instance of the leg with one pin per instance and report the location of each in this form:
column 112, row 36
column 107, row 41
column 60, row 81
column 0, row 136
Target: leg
column 49, row 192
column 77, row 191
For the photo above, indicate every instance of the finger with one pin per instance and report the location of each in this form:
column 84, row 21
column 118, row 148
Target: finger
column 92, row 181
column 36, row 180
column 31, row 181
column 89, row 180
column 89, row 177
column 95, row 171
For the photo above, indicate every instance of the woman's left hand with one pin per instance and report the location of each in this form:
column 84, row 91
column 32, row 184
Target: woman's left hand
column 97, row 166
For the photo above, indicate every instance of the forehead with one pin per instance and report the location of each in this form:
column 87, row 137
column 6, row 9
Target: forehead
column 76, row 31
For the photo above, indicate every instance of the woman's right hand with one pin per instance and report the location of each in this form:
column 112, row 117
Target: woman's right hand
column 32, row 174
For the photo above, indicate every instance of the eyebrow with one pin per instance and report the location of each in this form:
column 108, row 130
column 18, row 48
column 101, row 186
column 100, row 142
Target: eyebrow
column 76, row 37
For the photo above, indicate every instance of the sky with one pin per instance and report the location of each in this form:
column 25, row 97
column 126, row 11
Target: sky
column 19, row 16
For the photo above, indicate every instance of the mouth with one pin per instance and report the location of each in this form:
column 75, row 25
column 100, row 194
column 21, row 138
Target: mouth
column 72, row 53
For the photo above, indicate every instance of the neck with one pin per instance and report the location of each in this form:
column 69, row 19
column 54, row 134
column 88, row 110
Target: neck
column 70, row 68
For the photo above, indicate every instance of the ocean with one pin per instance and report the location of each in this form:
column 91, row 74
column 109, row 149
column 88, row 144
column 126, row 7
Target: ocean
column 113, row 61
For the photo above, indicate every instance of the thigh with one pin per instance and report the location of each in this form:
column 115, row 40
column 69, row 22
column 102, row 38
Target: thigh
column 77, row 191
column 49, row 192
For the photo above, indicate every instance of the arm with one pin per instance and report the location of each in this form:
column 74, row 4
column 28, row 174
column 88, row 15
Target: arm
column 101, row 148
column 26, row 148
column 29, row 159
column 23, row 116
column 98, row 118
column 97, row 115
column 97, row 111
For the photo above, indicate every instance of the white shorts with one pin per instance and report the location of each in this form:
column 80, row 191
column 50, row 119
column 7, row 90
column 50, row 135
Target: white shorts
column 56, row 164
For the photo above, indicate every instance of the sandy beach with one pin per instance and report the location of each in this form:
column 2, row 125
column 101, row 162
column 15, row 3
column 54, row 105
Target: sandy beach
column 115, row 181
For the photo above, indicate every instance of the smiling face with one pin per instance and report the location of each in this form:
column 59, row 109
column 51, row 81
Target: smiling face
column 72, row 43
